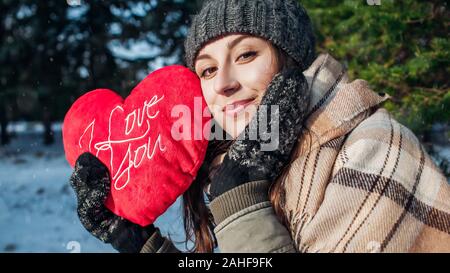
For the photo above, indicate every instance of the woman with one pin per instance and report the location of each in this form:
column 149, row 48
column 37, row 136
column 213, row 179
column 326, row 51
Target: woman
column 343, row 176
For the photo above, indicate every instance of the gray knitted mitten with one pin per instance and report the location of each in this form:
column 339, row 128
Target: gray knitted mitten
column 90, row 181
column 251, row 160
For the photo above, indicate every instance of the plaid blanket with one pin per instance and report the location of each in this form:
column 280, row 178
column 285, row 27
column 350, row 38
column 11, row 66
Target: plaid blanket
column 360, row 181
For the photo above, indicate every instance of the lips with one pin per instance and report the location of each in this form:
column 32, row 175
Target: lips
column 236, row 107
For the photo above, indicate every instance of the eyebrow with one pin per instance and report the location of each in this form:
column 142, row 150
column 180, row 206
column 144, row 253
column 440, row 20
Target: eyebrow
column 230, row 45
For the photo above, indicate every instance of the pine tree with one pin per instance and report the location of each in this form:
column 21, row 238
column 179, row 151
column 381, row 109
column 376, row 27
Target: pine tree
column 53, row 52
column 400, row 47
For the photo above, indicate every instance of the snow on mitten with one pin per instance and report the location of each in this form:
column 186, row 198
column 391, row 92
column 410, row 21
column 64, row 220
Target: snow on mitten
column 91, row 183
column 250, row 160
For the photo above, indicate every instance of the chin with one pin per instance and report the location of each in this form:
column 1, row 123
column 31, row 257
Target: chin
column 235, row 127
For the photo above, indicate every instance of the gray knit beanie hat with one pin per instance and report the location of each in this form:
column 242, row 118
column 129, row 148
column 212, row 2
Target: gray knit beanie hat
column 283, row 22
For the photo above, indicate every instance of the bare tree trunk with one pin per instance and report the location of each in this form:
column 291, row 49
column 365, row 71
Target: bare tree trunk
column 48, row 132
column 4, row 136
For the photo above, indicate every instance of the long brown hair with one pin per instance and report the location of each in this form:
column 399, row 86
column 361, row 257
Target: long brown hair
column 198, row 221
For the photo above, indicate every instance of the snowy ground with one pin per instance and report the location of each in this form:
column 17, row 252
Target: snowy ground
column 37, row 205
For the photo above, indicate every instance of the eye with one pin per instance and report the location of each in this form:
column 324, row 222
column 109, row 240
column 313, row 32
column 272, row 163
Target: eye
column 247, row 55
column 203, row 75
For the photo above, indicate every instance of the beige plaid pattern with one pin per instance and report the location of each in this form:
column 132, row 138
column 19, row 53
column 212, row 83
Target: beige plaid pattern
column 360, row 181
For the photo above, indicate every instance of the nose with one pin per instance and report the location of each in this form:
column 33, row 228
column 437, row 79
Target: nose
column 225, row 83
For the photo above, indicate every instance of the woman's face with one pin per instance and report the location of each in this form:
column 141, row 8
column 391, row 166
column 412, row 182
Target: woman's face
column 235, row 71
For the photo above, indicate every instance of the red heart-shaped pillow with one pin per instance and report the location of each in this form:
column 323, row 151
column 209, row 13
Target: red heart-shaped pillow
column 153, row 142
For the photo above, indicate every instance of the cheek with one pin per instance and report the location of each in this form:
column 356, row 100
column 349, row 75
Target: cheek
column 258, row 74
column 211, row 97
column 208, row 94
column 215, row 104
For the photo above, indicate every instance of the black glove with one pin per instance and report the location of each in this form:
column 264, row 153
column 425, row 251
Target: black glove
column 91, row 183
column 249, row 160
